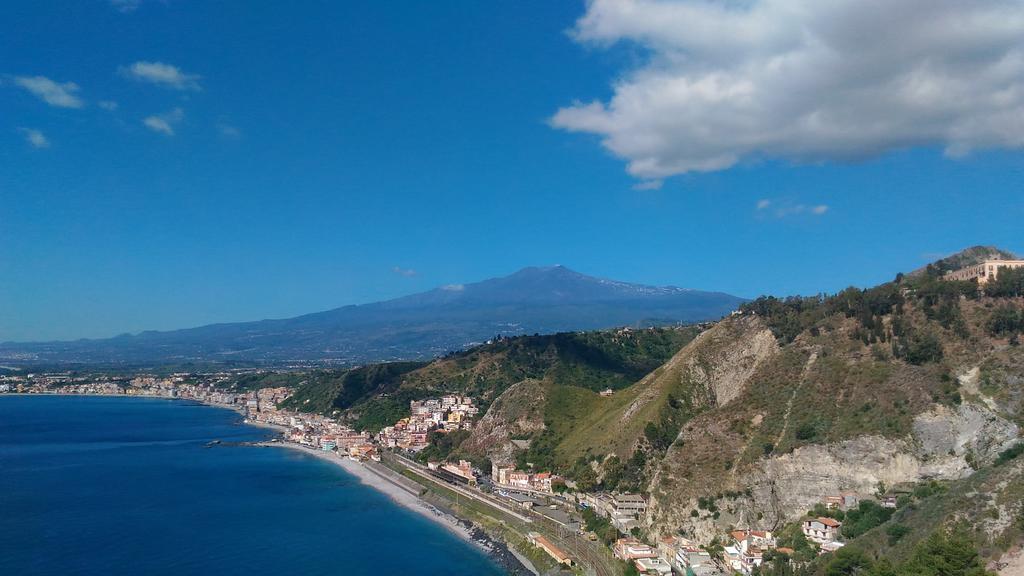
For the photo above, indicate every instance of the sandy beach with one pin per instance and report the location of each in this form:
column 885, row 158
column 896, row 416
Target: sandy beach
column 399, row 494
column 406, row 495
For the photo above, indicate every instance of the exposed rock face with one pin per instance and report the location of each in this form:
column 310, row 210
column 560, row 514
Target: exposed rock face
column 716, row 365
column 780, row 489
column 971, row 432
column 728, row 357
column 519, row 411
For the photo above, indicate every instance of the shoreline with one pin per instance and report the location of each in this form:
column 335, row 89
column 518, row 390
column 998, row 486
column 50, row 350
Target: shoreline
column 465, row 530
column 402, row 495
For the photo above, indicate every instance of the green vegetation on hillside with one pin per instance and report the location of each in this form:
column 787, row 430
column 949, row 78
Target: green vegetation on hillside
column 941, row 554
column 258, row 380
column 327, row 391
column 1009, row 283
column 575, row 364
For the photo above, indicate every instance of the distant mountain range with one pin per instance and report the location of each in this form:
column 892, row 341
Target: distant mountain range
column 532, row 300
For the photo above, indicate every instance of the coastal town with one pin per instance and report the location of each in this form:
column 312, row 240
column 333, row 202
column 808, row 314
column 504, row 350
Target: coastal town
column 553, row 514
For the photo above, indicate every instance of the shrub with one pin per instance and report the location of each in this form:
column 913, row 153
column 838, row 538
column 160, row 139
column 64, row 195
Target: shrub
column 1005, row 320
column 896, row 533
column 1010, row 453
column 919, row 348
column 865, row 517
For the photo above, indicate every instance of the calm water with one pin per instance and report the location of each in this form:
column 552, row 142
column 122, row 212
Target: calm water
column 116, row 486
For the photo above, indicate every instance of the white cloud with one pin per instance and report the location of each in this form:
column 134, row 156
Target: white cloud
column 35, row 138
column 804, row 80
column 53, row 93
column 782, row 209
column 108, row 105
column 407, row 272
column 160, row 74
column 453, row 287
column 164, row 123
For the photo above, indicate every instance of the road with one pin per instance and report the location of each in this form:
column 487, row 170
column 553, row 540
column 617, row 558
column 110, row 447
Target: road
column 592, row 556
column 471, row 494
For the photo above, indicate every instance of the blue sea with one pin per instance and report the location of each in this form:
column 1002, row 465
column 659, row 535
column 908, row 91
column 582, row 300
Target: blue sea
column 117, row 486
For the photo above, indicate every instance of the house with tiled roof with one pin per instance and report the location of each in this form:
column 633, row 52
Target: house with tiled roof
column 822, row 529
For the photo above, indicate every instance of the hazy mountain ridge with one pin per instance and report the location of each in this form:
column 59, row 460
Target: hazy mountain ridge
column 532, row 300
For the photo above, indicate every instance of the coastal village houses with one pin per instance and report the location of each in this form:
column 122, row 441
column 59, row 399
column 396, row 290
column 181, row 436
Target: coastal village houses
column 632, row 549
column 505, row 476
column 822, row 530
column 625, row 510
column 444, row 414
column 747, row 549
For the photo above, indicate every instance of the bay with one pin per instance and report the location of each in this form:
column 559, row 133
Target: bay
column 108, row 485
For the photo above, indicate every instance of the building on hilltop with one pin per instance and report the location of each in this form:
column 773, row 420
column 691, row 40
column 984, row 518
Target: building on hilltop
column 984, row 272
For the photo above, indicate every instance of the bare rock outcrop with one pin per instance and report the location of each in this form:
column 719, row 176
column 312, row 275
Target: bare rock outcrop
column 519, row 411
column 946, row 444
column 972, row 434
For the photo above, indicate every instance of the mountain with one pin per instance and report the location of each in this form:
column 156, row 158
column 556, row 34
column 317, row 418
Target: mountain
column 533, row 300
column 967, row 257
column 915, row 385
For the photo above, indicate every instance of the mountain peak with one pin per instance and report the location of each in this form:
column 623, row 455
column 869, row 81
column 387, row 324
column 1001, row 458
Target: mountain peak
column 969, row 257
column 537, row 299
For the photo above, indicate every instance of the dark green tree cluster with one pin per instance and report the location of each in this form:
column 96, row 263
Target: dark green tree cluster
column 1006, row 320
column 918, row 348
column 1008, row 283
column 866, row 516
column 623, row 476
column 940, row 301
column 788, row 317
column 381, row 411
column 793, row 537
column 1010, row 453
column 673, row 416
column 600, row 526
column 941, row 554
column 541, row 453
column 441, row 445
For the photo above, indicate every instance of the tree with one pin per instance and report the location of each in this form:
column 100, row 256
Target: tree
column 1005, row 320
column 919, row 348
column 1009, row 282
column 896, row 533
column 847, row 561
column 944, row 555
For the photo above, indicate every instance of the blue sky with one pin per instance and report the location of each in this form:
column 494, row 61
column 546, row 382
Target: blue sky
column 223, row 161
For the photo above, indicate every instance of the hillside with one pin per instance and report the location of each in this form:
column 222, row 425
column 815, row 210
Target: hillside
column 421, row 326
column 763, row 415
column 751, row 421
column 759, row 417
column 379, row 394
